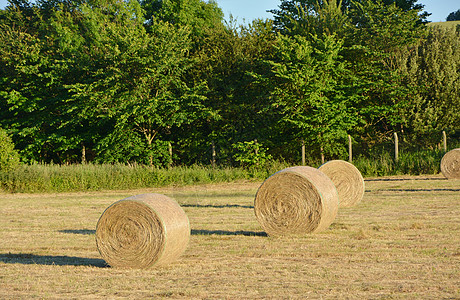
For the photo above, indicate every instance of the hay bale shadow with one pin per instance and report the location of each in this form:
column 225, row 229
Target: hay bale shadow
column 193, row 232
column 50, row 260
column 227, row 232
column 423, row 190
column 217, row 206
column 78, row 231
column 413, row 190
column 404, row 179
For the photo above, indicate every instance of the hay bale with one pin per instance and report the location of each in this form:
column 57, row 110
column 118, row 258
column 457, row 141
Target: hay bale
column 142, row 231
column 347, row 179
column 450, row 164
column 296, row 200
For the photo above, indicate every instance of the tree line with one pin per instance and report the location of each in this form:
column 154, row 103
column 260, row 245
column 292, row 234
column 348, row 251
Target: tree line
column 454, row 16
column 128, row 81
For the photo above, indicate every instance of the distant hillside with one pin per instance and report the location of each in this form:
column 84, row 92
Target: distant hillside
column 445, row 24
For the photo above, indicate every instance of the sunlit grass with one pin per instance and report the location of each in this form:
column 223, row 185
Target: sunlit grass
column 39, row 178
column 401, row 242
column 93, row 177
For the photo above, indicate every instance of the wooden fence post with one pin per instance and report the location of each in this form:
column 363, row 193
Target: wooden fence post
column 213, row 159
column 170, row 153
column 256, row 151
column 303, row 152
column 83, row 154
column 322, row 154
column 444, row 141
column 396, row 147
column 350, row 150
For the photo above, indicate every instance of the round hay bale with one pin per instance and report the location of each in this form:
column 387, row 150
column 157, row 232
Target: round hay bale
column 142, row 231
column 295, row 201
column 450, row 164
column 347, row 179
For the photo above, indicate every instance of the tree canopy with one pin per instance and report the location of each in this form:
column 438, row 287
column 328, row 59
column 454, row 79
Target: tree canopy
column 454, row 16
column 156, row 82
column 290, row 10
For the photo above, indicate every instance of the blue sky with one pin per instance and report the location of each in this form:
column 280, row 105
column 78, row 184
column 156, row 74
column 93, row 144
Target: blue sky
column 252, row 9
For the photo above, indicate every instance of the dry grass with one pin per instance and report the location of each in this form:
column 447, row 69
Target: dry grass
column 401, row 242
column 449, row 24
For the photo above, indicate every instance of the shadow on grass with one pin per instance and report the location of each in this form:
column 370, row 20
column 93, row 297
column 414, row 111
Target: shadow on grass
column 79, row 231
column 226, row 232
column 212, row 195
column 193, row 232
column 413, row 190
column 217, row 206
column 422, row 190
column 32, row 259
column 404, row 179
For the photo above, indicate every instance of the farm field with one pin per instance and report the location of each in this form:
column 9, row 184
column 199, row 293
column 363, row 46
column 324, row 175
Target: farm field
column 449, row 24
column 401, row 242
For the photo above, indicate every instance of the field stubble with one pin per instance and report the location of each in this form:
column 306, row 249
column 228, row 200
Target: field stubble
column 401, row 242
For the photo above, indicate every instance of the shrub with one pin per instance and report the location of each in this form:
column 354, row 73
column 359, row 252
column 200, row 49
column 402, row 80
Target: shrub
column 9, row 157
column 250, row 154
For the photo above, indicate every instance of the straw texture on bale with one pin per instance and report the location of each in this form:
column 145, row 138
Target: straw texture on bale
column 295, row 201
column 450, row 164
column 142, row 231
column 347, row 179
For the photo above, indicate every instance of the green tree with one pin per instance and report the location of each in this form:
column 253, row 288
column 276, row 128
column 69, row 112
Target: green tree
column 9, row 157
column 294, row 13
column 288, row 11
column 312, row 87
column 372, row 35
column 198, row 15
column 454, row 16
column 250, row 154
column 160, row 99
column 432, row 72
column 202, row 19
column 318, row 19
column 92, row 76
column 227, row 59
column 137, row 86
column 28, row 85
column 376, row 44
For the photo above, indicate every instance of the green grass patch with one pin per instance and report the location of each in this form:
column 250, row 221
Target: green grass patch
column 49, row 178
column 410, row 163
column 40, row 178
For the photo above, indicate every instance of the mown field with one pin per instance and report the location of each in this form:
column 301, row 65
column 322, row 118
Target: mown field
column 401, row 242
column 448, row 24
